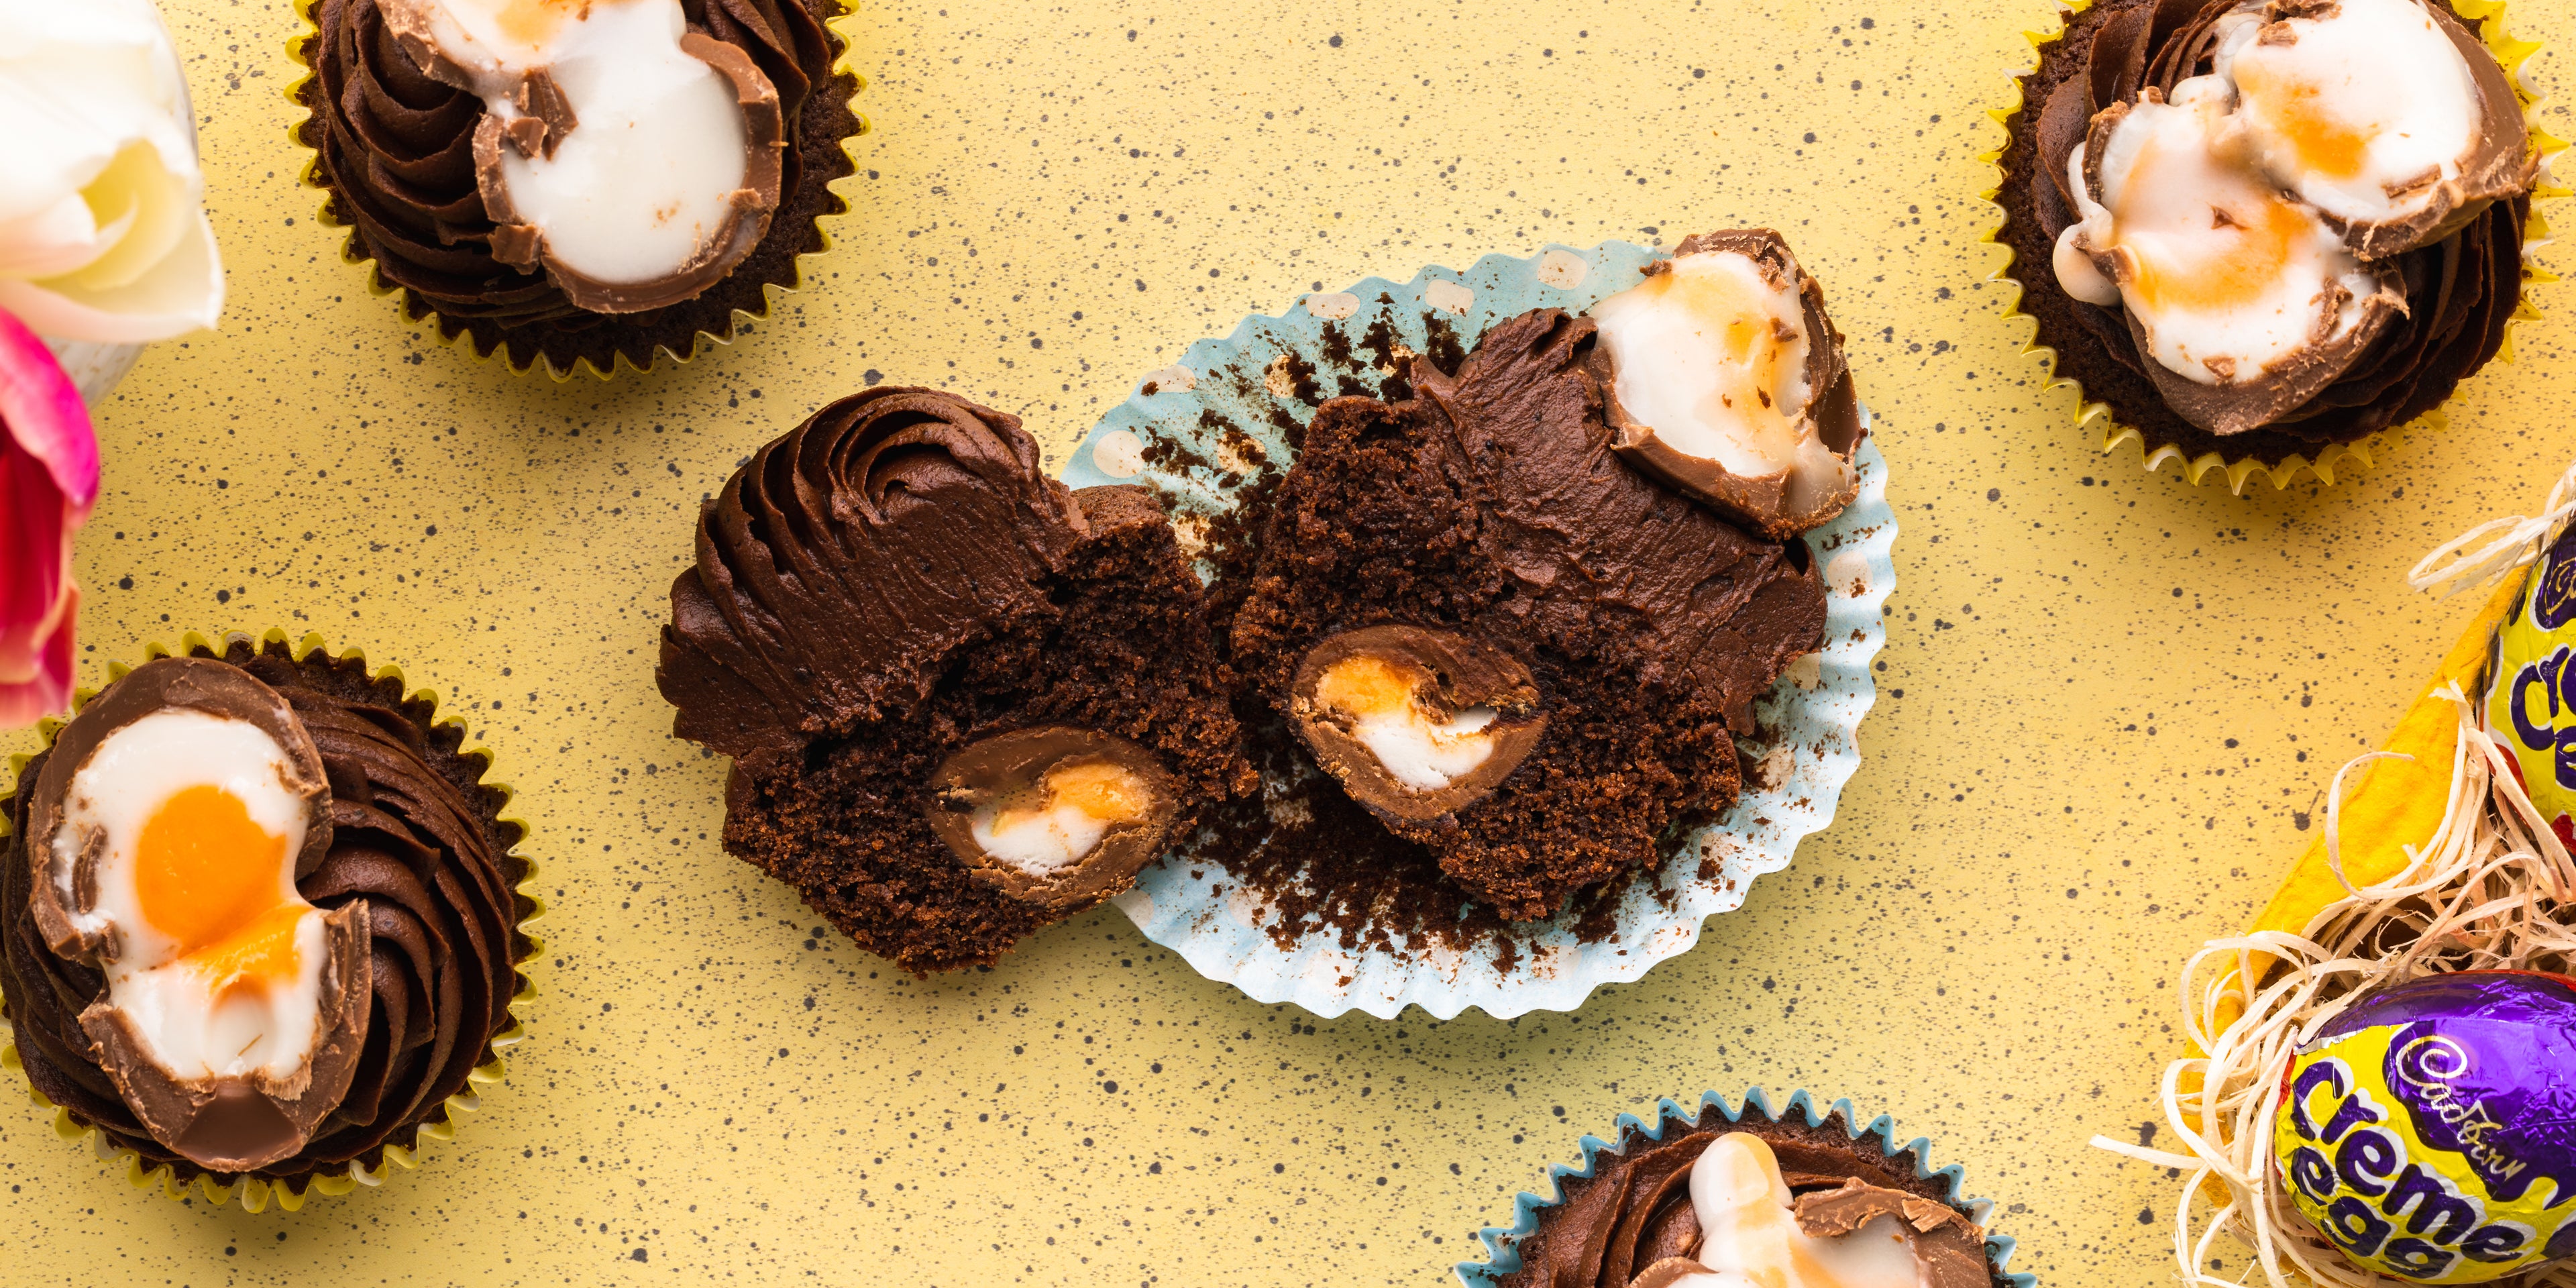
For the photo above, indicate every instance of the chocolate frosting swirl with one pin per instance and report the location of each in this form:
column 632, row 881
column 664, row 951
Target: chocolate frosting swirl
column 2460, row 290
column 396, row 147
column 1635, row 1209
column 416, row 838
column 814, row 605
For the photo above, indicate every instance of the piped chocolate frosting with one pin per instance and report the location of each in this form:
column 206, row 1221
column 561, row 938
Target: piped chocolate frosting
column 2458, row 289
column 847, row 558
column 414, row 869
column 397, row 149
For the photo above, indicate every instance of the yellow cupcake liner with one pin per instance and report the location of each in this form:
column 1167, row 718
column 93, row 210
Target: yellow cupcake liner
column 257, row 1195
column 2511, row 53
column 841, row 27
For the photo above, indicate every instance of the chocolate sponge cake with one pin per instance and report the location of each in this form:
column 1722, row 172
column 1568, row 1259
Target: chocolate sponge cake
column 963, row 701
column 1508, row 643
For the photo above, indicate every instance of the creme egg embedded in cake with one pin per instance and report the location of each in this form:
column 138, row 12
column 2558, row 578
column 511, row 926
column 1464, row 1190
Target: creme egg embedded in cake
column 1379, row 702
column 1060, row 818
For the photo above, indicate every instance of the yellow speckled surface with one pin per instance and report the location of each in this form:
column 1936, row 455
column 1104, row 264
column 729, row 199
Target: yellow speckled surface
column 2109, row 699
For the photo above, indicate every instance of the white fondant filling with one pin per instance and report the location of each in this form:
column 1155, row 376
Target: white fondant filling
column 2222, row 273
column 1424, row 752
column 644, row 181
column 114, row 795
column 195, row 1034
column 2075, row 270
column 1714, row 358
column 2373, row 97
column 1749, row 1235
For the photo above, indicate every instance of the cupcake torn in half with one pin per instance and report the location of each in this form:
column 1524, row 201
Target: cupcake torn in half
column 256, row 923
column 963, row 702
column 1504, row 636
column 2264, row 226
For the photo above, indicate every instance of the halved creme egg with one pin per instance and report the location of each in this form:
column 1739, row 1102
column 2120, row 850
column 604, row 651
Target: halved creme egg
column 170, row 823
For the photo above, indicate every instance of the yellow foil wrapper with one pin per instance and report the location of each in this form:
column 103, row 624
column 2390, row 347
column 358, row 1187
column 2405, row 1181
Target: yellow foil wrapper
column 257, row 1195
column 2115, row 436
column 839, row 27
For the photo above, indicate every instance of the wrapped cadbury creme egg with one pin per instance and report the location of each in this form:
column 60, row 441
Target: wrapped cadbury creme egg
column 2429, row 1131
column 2531, row 688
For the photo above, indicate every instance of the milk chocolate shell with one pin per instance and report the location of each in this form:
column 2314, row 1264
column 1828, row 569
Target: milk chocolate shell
column 1762, row 502
column 2459, row 289
column 892, row 585
column 414, row 872
column 395, row 148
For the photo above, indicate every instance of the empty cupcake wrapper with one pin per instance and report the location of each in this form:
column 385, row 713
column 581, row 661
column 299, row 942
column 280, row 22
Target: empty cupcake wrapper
column 1502, row 1252
column 2512, row 53
column 254, row 1193
column 1247, row 384
column 843, row 64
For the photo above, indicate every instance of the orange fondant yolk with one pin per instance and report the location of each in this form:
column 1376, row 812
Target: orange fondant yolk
column 1362, row 685
column 2326, row 143
column 2256, row 236
column 534, row 22
column 253, row 957
column 1751, row 349
column 206, row 875
column 1098, row 788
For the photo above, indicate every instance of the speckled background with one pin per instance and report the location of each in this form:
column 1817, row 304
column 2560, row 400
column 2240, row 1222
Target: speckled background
column 2109, row 699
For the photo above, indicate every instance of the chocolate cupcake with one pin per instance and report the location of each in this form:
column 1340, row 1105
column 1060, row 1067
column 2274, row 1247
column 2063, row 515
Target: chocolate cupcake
column 963, row 702
column 2261, row 230
column 451, row 138
column 1510, row 645
column 260, row 919
column 1726, row 1196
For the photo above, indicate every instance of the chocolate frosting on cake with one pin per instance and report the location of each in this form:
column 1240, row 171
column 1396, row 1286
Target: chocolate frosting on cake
column 1591, row 544
column 1493, row 507
column 1634, row 1211
column 414, row 841
column 2460, row 290
column 814, row 603
column 397, row 149
column 892, row 601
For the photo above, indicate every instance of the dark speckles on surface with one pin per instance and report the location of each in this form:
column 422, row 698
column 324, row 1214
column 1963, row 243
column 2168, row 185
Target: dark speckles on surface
column 1931, row 915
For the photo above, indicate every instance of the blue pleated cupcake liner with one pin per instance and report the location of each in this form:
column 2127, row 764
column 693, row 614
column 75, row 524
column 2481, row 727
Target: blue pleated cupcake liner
column 1198, row 431
column 1502, row 1246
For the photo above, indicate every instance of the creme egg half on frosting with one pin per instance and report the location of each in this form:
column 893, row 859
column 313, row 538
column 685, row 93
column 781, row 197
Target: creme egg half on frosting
column 194, row 832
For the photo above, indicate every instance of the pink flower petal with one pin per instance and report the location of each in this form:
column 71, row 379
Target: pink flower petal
column 48, row 481
column 49, row 690
column 41, row 408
